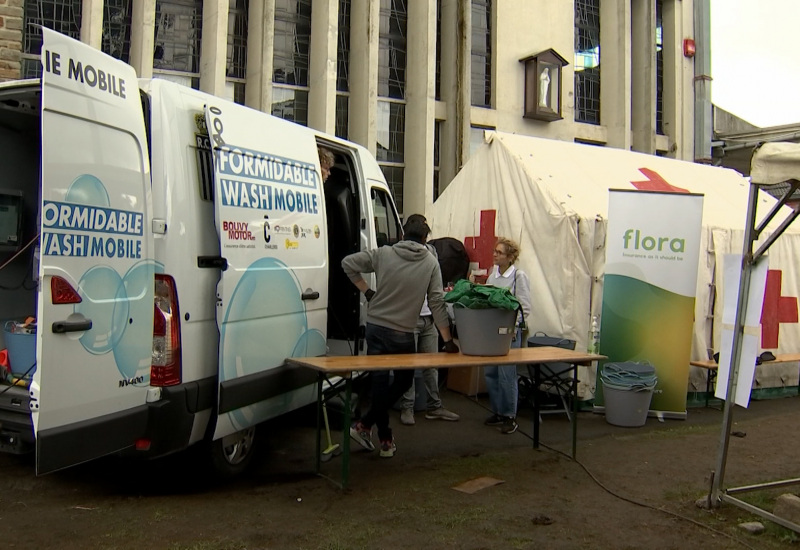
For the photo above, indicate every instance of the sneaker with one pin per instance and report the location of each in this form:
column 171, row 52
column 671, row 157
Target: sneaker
column 441, row 414
column 388, row 448
column 362, row 435
column 509, row 425
column 494, row 420
column 407, row 417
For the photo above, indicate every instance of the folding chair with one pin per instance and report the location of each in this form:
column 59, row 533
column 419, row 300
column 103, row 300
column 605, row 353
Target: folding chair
column 554, row 378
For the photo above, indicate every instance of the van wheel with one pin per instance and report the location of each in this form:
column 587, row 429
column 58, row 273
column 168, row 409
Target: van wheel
column 231, row 455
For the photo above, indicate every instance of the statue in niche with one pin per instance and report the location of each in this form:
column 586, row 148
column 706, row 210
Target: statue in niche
column 544, row 88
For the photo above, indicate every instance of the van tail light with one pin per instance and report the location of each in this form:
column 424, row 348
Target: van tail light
column 166, row 365
column 62, row 292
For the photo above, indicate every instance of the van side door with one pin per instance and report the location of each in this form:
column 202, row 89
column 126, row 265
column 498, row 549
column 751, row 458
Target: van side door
column 272, row 293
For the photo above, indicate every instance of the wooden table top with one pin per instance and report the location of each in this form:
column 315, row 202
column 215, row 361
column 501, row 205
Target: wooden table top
column 783, row 358
column 348, row 363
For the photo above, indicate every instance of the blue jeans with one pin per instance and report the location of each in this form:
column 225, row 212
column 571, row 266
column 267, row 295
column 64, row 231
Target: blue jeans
column 427, row 342
column 383, row 341
column 501, row 383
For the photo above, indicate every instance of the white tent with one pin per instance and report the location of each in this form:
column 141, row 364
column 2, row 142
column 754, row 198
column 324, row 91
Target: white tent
column 552, row 197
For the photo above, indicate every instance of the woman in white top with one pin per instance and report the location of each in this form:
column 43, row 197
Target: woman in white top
column 501, row 380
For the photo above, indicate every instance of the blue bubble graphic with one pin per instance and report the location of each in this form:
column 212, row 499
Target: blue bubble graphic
column 264, row 321
column 87, row 189
column 311, row 344
column 105, row 303
column 133, row 352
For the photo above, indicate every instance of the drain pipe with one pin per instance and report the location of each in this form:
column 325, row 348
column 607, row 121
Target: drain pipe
column 703, row 127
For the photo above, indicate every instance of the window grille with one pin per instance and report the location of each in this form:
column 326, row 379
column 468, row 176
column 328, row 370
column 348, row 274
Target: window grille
column 587, row 61
column 236, row 59
column 117, row 15
column 481, row 91
column 177, row 35
column 394, row 179
column 437, row 133
column 290, row 104
column 343, row 52
column 342, row 115
column 392, row 49
column 63, row 16
column 659, row 67
column 292, row 41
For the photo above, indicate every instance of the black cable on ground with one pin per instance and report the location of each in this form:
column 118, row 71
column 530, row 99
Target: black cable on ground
column 621, row 497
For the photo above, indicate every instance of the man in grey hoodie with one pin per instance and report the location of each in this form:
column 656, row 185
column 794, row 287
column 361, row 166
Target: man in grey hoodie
column 405, row 273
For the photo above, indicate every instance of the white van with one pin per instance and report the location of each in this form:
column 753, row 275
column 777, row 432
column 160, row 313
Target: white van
column 168, row 286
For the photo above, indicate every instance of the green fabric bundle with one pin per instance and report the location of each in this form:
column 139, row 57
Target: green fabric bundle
column 472, row 296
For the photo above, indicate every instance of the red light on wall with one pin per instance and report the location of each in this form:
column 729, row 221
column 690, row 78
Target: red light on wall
column 688, row 47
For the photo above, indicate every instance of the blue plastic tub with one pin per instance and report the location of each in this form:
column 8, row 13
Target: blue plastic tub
column 21, row 350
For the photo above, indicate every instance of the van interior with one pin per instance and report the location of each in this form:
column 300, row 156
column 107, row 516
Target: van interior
column 20, row 157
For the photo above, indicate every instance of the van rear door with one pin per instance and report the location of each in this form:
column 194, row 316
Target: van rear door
column 95, row 308
column 272, row 295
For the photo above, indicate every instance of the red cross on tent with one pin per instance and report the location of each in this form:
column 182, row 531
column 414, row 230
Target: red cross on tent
column 777, row 309
column 480, row 247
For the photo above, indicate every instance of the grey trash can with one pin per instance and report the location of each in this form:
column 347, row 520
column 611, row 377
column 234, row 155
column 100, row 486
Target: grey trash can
column 628, row 389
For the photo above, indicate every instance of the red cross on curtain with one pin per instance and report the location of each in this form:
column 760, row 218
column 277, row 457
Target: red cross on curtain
column 777, row 309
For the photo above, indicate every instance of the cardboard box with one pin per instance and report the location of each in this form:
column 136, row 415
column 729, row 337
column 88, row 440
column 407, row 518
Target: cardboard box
column 467, row 380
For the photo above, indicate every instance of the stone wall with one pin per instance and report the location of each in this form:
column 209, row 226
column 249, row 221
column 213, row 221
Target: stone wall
column 10, row 38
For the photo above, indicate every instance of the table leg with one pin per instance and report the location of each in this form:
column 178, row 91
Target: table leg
column 348, row 393
column 708, row 386
column 536, row 410
column 317, row 460
column 574, row 419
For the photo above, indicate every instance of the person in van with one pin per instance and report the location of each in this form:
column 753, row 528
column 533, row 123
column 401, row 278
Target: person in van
column 405, row 273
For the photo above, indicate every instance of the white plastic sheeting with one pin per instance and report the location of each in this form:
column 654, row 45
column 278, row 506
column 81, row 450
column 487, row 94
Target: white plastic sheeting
column 552, row 197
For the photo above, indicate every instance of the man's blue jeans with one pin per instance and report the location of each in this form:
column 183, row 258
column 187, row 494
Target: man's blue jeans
column 501, row 383
column 383, row 341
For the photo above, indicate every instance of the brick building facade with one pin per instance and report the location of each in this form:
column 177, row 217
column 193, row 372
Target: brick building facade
column 10, row 38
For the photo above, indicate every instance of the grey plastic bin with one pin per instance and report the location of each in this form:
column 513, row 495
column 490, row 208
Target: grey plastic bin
column 485, row 331
column 628, row 389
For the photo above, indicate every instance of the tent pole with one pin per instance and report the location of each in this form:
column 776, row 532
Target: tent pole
column 736, row 346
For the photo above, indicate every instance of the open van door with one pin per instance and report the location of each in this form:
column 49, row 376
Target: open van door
column 95, row 305
column 272, row 295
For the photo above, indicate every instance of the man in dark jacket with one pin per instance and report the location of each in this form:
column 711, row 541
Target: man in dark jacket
column 405, row 273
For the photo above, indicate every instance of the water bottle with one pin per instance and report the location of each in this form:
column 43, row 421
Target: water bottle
column 594, row 335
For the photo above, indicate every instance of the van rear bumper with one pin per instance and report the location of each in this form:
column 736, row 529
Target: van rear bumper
column 16, row 424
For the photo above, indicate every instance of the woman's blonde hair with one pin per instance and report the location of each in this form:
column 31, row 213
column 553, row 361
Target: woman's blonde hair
column 512, row 249
column 326, row 157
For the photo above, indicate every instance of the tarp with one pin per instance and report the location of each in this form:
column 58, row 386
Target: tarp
column 552, row 197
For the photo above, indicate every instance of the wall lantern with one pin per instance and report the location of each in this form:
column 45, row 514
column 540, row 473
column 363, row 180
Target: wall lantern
column 543, row 85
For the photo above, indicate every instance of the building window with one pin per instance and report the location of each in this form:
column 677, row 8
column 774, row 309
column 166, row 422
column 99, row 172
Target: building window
column 290, row 104
column 343, row 48
column 117, row 15
column 476, row 137
column 292, row 41
column 391, row 119
column 481, row 90
column 177, row 40
column 438, row 83
column 659, row 67
column 236, row 56
column 342, row 115
column 587, row 61
column 437, row 144
column 392, row 49
column 63, row 16
column 394, row 179
column 291, row 60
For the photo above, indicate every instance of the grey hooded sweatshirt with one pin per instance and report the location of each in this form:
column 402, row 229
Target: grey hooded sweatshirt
column 406, row 272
